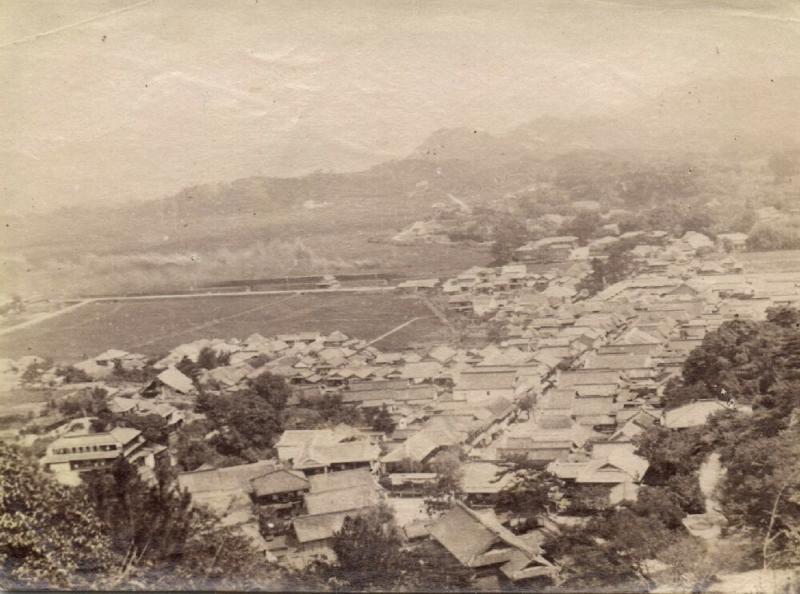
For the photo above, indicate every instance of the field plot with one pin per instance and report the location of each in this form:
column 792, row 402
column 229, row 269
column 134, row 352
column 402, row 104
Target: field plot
column 777, row 261
column 155, row 326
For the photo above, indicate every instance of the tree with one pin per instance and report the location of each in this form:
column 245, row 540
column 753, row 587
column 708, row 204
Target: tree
column 332, row 409
column 35, row 370
column 50, row 536
column 657, row 185
column 247, row 424
column 676, row 393
column 738, row 357
column 661, row 503
column 584, row 226
column 772, row 235
column 164, row 542
column 153, row 427
column 590, row 562
column 143, row 375
column 526, row 404
column 86, row 403
column 193, row 454
column 146, row 522
column 447, row 487
column 381, row 420
column 531, row 493
column 368, row 551
column 371, row 555
column 73, row 375
column 692, row 566
column 271, row 388
column 207, row 358
column 509, row 235
column 618, row 266
column 760, row 493
column 189, row 368
column 784, row 316
column 674, row 460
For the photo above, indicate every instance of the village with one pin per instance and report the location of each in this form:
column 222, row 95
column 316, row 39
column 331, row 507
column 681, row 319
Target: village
column 540, row 374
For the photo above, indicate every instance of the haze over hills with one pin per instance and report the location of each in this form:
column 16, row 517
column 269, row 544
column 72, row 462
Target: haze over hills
column 727, row 119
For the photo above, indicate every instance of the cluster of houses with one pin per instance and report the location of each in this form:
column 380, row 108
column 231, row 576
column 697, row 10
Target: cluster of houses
column 484, row 291
column 78, row 448
column 567, row 386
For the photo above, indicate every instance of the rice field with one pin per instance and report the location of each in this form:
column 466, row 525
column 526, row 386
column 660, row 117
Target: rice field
column 154, row 326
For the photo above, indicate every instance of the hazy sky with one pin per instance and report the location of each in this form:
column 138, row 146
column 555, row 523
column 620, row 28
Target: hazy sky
column 113, row 100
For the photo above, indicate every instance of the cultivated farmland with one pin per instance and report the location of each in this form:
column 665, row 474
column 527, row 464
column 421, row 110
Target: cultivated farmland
column 154, row 326
column 774, row 261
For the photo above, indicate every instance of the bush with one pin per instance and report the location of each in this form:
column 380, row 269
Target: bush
column 774, row 236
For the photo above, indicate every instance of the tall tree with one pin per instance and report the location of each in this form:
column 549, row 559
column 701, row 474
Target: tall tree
column 368, row 551
column 760, row 493
column 147, row 522
column 381, row 420
column 50, row 536
column 372, row 556
column 530, row 493
column 272, row 388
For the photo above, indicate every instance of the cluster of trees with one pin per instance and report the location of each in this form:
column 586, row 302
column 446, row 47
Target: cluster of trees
column 50, row 535
column 507, row 237
column 245, row 424
column 781, row 235
column 242, row 427
column 380, row 419
column 73, row 375
column 140, row 375
column 371, row 555
column 615, row 547
column 35, row 370
column 209, row 358
column 86, row 403
column 748, row 360
column 759, row 494
column 759, row 363
column 116, row 532
column 618, row 266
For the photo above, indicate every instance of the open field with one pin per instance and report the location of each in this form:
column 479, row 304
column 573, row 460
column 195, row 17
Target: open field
column 777, row 261
column 154, row 326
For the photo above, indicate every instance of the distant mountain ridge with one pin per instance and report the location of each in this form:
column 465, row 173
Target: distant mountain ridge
column 732, row 118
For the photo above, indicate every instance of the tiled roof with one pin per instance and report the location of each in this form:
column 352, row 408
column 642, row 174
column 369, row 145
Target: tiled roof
column 223, row 479
column 502, row 380
column 319, row 527
column 341, row 499
column 279, row 481
column 340, row 480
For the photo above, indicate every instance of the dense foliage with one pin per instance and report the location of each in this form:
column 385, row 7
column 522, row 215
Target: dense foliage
column 759, row 493
column 372, row 555
column 747, row 360
column 618, row 266
column 243, row 426
column 50, row 536
column 782, row 235
column 116, row 532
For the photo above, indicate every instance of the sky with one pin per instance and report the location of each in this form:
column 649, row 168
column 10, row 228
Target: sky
column 109, row 101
